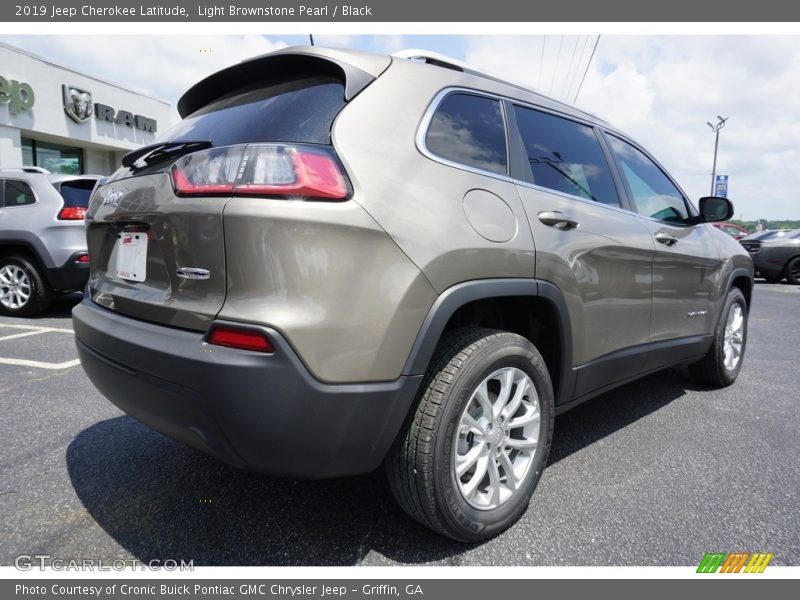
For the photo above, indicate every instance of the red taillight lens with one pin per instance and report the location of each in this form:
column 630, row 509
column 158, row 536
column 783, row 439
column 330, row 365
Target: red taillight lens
column 82, row 259
column 72, row 213
column 243, row 339
column 277, row 170
column 207, row 173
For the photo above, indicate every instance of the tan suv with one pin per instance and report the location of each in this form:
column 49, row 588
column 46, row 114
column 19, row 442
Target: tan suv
column 339, row 259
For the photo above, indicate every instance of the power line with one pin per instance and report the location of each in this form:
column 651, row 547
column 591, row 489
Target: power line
column 597, row 41
column 555, row 67
column 541, row 63
column 576, row 74
column 569, row 68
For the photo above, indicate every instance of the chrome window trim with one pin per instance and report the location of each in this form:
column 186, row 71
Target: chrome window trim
column 422, row 132
column 427, row 117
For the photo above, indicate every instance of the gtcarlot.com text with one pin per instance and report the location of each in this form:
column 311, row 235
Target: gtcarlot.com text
column 28, row 562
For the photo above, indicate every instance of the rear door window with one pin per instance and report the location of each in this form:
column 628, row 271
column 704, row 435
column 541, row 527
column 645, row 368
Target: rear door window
column 299, row 110
column 652, row 191
column 469, row 130
column 17, row 193
column 77, row 192
column 565, row 156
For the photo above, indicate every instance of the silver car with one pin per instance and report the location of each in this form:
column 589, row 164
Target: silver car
column 42, row 238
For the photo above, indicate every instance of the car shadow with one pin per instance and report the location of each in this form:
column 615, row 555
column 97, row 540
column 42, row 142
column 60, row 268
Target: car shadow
column 61, row 306
column 161, row 500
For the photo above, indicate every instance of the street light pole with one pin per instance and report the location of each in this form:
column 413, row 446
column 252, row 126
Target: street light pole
column 715, row 129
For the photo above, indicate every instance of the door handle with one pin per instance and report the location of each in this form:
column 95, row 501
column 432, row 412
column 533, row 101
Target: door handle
column 666, row 238
column 557, row 219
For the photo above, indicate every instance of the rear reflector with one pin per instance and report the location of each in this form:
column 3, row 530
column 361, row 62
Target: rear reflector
column 266, row 170
column 243, row 339
column 72, row 213
column 82, row 259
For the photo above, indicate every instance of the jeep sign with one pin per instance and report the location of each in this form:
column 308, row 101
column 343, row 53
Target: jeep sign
column 19, row 96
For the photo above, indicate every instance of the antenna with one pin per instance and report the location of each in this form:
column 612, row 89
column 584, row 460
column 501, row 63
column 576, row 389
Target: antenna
column 311, row 37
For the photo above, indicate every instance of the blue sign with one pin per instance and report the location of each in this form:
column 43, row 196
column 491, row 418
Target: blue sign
column 721, row 186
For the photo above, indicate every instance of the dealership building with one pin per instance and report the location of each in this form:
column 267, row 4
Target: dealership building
column 70, row 122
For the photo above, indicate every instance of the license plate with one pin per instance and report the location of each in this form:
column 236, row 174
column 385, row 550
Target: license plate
column 132, row 256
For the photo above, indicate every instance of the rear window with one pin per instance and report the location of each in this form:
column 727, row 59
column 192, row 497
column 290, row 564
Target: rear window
column 300, row 110
column 76, row 193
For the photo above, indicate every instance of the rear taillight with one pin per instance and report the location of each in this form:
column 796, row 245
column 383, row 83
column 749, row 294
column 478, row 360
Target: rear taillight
column 72, row 213
column 243, row 339
column 267, row 170
column 82, row 259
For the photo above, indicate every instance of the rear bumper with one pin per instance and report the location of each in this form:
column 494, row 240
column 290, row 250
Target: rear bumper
column 256, row 411
column 70, row 276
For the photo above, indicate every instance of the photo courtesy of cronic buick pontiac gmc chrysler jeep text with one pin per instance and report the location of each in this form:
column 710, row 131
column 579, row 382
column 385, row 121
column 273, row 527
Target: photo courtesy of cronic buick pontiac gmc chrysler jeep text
column 340, row 259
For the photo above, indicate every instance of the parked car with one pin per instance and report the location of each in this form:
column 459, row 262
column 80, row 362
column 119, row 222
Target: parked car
column 775, row 255
column 737, row 232
column 42, row 237
column 341, row 259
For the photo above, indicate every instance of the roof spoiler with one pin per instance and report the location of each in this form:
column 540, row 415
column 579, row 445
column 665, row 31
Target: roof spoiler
column 356, row 70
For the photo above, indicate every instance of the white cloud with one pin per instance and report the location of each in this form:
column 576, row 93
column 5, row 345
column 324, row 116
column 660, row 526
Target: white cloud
column 661, row 90
column 161, row 66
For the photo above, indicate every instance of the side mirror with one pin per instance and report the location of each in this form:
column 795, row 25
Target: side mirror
column 713, row 208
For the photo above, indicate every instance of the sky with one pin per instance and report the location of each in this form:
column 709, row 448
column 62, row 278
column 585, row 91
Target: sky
column 660, row 90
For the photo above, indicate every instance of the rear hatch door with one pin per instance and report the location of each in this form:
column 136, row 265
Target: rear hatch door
column 159, row 255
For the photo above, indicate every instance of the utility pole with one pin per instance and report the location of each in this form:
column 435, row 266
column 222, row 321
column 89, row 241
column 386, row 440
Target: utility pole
column 715, row 129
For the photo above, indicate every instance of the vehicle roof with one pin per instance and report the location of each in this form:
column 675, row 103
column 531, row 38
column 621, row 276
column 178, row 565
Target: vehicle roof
column 453, row 73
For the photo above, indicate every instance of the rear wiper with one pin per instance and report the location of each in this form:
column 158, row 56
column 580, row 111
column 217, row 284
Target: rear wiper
column 156, row 153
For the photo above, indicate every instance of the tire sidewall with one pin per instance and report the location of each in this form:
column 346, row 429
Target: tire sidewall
column 38, row 294
column 735, row 296
column 788, row 272
column 479, row 524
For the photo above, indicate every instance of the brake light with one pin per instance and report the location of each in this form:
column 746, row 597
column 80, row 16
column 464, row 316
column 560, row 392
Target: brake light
column 72, row 213
column 271, row 170
column 243, row 339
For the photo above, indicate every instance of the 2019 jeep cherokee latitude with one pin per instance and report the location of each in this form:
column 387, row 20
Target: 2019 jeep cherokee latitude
column 342, row 259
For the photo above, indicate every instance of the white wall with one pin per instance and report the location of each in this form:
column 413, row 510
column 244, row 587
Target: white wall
column 48, row 117
column 10, row 150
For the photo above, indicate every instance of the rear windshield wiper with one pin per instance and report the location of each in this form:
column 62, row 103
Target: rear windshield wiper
column 156, row 153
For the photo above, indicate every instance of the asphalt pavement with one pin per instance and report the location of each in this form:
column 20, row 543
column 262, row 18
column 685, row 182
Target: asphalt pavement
column 657, row 472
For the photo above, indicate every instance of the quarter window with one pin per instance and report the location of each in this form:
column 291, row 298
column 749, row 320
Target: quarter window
column 469, row 130
column 654, row 194
column 17, row 193
column 565, row 156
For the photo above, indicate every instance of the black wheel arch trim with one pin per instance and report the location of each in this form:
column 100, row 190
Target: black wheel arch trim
column 462, row 294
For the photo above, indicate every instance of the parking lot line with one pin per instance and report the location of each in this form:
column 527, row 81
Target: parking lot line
column 39, row 365
column 37, row 328
column 19, row 335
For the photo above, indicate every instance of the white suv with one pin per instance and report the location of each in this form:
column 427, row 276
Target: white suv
column 42, row 237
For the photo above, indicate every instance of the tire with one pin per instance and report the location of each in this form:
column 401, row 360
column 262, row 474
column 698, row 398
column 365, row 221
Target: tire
column 23, row 290
column 421, row 465
column 792, row 271
column 717, row 368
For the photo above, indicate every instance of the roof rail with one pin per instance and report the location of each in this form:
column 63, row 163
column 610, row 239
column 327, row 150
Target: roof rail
column 24, row 170
column 442, row 60
column 434, row 58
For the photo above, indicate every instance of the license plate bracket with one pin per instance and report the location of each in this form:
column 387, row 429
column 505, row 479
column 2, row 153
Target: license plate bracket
column 131, row 263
